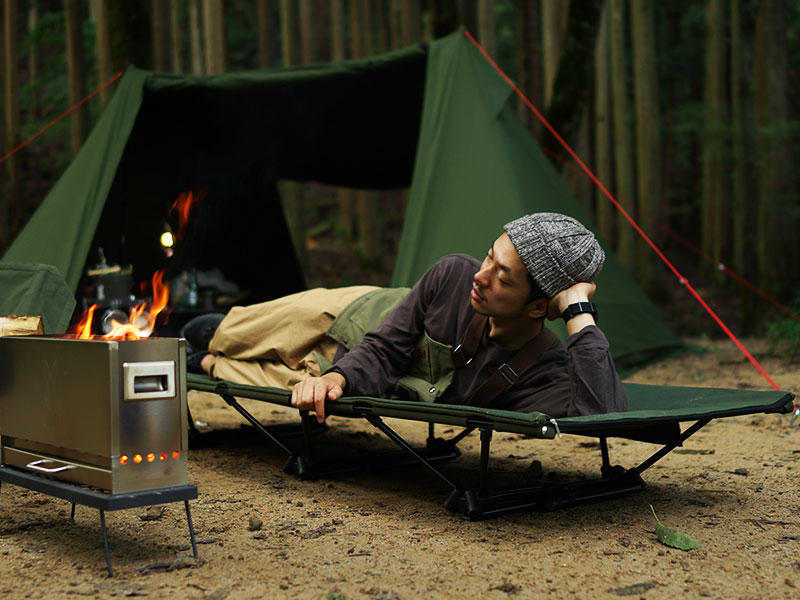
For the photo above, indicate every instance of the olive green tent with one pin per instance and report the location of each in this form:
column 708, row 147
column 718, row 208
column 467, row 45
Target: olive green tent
column 436, row 117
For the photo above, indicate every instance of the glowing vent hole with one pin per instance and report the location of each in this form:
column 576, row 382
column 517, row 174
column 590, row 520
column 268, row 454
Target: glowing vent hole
column 176, row 454
column 137, row 458
column 162, row 456
column 123, row 460
column 151, row 457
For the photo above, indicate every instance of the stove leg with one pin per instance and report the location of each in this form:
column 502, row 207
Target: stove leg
column 105, row 542
column 72, row 512
column 191, row 529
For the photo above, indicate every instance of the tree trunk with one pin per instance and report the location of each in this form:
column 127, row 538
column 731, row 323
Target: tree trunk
column 214, row 27
column 555, row 15
column 777, row 220
column 605, row 211
column 715, row 207
column 412, row 22
column 742, row 217
column 570, row 94
column 5, row 196
column 648, row 137
column 195, row 38
column 396, row 23
column 175, row 41
column 160, row 27
column 265, row 34
column 623, row 153
column 366, row 203
column 529, row 63
column 103, row 49
column 486, row 26
column 287, row 33
column 345, row 196
column 306, row 32
column 33, row 58
column 468, row 16
column 75, row 72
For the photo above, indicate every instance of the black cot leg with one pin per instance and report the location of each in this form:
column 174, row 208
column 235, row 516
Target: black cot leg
column 486, row 442
column 191, row 529
column 72, row 512
column 105, row 542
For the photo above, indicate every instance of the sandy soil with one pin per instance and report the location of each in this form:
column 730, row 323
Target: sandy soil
column 386, row 535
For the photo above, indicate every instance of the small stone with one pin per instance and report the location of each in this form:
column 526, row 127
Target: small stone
column 154, row 513
column 255, row 524
column 740, row 471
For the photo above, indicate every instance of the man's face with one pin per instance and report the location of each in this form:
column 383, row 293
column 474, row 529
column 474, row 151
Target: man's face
column 500, row 288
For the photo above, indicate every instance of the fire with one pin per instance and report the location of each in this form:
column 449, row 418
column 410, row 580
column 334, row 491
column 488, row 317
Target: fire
column 183, row 206
column 141, row 320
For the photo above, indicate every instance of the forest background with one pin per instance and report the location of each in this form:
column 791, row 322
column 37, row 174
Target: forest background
column 685, row 110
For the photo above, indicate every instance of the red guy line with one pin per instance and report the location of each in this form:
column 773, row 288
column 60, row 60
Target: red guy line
column 71, row 109
column 619, row 207
column 721, row 266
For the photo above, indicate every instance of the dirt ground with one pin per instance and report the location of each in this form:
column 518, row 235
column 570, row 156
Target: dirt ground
column 262, row 533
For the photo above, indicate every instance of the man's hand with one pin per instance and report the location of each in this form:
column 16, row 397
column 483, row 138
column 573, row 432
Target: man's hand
column 580, row 292
column 311, row 393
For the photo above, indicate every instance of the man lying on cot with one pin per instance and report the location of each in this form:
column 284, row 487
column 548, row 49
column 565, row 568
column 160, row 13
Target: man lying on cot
column 466, row 333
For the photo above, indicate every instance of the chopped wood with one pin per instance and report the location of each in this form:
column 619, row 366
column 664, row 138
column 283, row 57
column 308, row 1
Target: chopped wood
column 21, row 325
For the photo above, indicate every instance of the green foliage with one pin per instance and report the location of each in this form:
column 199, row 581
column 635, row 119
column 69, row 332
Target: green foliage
column 784, row 334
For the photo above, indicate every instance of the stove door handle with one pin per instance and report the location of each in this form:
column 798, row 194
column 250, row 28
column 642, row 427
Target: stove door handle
column 36, row 466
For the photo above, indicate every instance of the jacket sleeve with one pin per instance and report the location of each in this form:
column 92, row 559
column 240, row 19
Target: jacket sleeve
column 578, row 380
column 375, row 364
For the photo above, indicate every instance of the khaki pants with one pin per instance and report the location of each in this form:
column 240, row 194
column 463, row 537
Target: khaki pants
column 271, row 344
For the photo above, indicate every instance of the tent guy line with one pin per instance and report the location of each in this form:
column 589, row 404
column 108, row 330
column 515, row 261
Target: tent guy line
column 71, row 109
column 683, row 241
column 591, row 175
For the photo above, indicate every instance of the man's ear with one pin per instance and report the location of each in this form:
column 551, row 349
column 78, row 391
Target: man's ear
column 537, row 309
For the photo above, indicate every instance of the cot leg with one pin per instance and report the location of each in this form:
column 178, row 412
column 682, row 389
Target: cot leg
column 72, row 512
column 486, row 442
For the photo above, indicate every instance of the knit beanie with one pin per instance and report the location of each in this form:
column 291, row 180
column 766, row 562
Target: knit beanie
column 556, row 249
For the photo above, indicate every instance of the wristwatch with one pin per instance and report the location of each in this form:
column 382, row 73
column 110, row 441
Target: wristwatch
column 578, row 308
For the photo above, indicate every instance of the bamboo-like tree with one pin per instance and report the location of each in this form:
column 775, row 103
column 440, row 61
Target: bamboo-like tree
column 604, row 211
column 195, row 38
column 175, row 34
column 33, row 57
column 555, row 15
column 648, row 136
column 265, row 33
column 412, row 22
column 214, row 30
column 103, row 48
column 742, row 210
column 366, row 203
column 160, row 22
column 75, row 72
column 5, row 200
column 529, row 63
column 486, row 26
column 777, row 209
column 715, row 209
column 624, row 173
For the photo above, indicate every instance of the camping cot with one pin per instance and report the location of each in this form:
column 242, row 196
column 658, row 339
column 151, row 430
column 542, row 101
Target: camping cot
column 654, row 415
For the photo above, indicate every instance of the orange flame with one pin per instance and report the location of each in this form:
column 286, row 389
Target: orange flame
column 141, row 322
column 183, row 206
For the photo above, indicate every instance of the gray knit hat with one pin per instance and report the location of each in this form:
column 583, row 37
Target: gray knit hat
column 556, row 249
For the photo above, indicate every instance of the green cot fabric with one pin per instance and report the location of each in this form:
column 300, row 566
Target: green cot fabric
column 34, row 289
column 434, row 116
column 653, row 416
column 478, row 168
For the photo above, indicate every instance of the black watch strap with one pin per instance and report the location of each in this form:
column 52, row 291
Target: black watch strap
column 579, row 308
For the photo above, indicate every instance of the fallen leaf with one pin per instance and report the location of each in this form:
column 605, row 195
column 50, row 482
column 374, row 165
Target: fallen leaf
column 673, row 539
